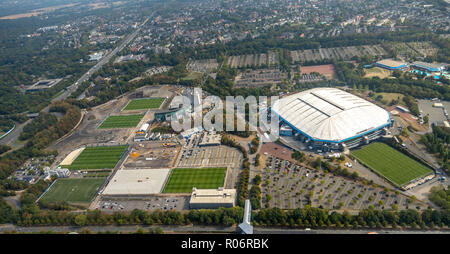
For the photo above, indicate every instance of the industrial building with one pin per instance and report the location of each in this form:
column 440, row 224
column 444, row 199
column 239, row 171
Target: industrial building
column 391, row 64
column 331, row 119
column 212, row 198
column 428, row 66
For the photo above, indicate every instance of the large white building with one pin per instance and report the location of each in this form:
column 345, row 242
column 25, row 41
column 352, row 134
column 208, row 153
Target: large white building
column 332, row 119
column 212, row 198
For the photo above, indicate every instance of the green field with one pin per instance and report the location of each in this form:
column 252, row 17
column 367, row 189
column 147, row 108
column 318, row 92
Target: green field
column 126, row 121
column 182, row 180
column 390, row 163
column 79, row 190
column 144, row 103
column 97, row 158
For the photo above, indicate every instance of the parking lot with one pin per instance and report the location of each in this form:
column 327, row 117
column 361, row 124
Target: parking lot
column 150, row 203
column 436, row 115
column 293, row 186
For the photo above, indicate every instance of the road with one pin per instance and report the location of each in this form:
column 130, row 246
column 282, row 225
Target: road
column 208, row 229
column 13, row 135
column 99, row 65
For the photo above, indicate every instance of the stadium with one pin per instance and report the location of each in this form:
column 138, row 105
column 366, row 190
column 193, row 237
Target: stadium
column 390, row 64
column 331, row 119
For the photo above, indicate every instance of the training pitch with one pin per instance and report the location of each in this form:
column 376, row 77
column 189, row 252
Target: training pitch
column 182, row 180
column 144, row 104
column 390, row 163
column 97, row 158
column 80, row 190
column 126, row 121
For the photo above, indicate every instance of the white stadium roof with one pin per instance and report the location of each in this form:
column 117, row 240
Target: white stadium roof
column 330, row 114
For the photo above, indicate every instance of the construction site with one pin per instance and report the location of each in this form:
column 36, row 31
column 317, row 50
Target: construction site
column 157, row 154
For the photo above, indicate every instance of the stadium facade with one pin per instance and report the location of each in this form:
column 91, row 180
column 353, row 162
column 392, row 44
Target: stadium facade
column 332, row 119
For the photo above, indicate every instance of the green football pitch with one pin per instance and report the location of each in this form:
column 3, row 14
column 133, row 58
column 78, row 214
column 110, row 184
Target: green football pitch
column 97, row 158
column 390, row 163
column 182, row 180
column 144, row 104
column 125, row 121
column 80, row 190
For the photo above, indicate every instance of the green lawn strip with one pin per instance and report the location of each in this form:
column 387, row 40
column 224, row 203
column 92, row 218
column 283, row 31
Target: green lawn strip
column 144, row 104
column 125, row 121
column 97, row 158
column 73, row 190
column 182, row 180
column 390, row 163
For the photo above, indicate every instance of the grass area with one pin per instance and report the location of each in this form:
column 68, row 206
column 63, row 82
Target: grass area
column 390, row 163
column 193, row 76
column 144, row 103
column 97, row 174
column 377, row 72
column 182, row 180
column 58, row 94
column 80, row 190
column 97, row 158
column 126, row 121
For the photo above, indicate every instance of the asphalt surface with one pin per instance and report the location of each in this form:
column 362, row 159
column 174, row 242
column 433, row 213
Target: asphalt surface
column 13, row 135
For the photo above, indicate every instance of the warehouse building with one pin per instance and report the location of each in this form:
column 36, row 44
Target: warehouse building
column 331, row 119
column 391, row 64
column 212, row 198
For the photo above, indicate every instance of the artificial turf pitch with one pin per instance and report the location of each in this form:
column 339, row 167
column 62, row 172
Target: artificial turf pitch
column 125, row 121
column 390, row 163
column 79, row 190
column 182, row 180
column 144, row 104
column 97, row 158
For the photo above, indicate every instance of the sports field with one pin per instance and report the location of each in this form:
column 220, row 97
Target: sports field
column 390, row 163
column 182, row 180
column 144, row 104
column 126, row 121
column 97, row 158
column 79, row 190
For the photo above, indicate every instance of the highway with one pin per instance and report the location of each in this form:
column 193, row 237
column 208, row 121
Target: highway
column 99, row 65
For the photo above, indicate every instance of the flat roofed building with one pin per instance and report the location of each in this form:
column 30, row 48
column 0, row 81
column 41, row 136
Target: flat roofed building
column 128, row 182
column 212, row 198
column 431, row 67
column 390, row 64
column 330, row 115
column 210, row 139
column 43, row 84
